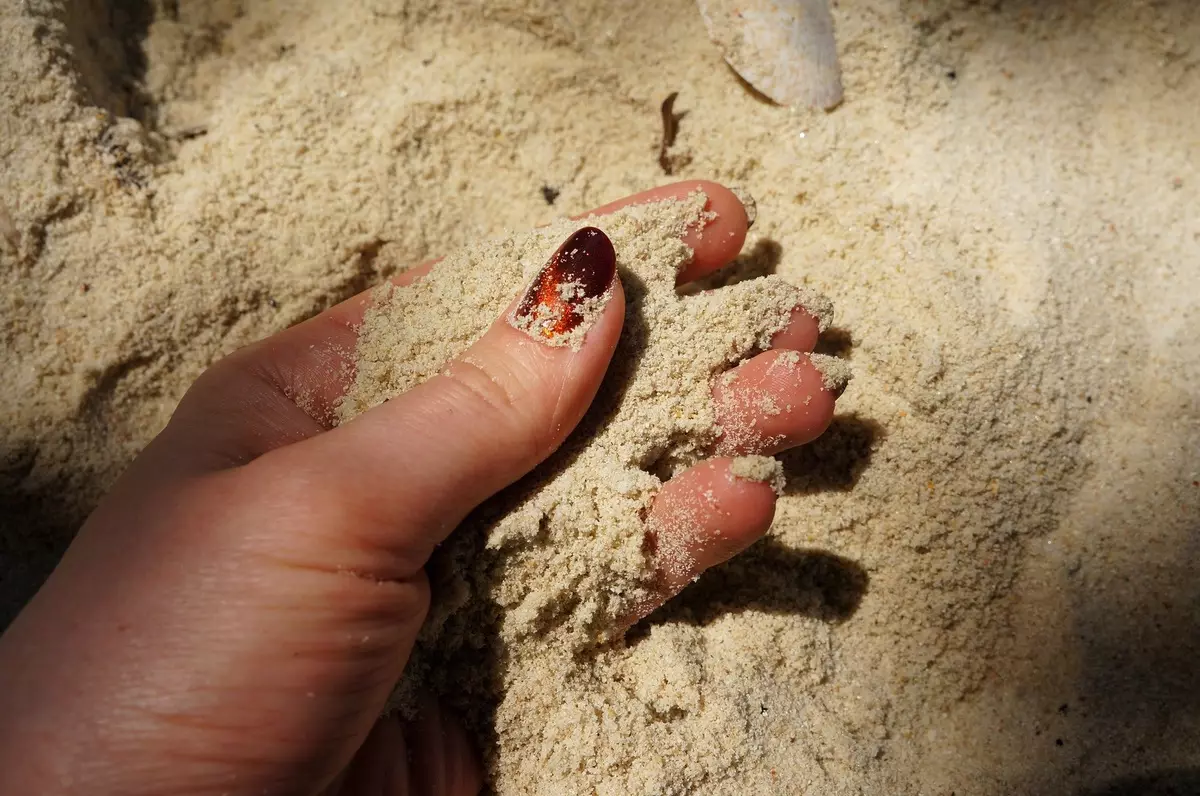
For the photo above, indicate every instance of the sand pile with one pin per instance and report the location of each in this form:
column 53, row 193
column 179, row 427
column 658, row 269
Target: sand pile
column 981, row 580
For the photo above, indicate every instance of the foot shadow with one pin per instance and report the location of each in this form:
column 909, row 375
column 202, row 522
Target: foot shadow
column 106, row 41
column 835, row 341
column 36, row 526
column 836, row 459
column 769, row 577
column 459, row 656
column 761, row 260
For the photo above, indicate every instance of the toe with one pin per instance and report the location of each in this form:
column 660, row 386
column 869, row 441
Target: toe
column 700, row 518
column 718, row 241
column 772, row 402
column 800, row 334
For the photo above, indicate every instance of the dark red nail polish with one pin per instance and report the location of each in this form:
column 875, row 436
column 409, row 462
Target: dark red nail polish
column 570, row 287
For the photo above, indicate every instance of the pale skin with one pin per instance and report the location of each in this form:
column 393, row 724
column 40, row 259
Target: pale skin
column 232, row 617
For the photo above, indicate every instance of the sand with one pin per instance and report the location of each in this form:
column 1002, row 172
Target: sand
column 534, row 588
column 983, row 579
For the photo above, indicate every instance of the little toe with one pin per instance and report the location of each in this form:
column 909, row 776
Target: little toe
column 700, row 518
column 800, row 334
column 774, row 401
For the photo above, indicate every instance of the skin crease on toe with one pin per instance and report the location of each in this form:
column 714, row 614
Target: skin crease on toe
column 430, row 755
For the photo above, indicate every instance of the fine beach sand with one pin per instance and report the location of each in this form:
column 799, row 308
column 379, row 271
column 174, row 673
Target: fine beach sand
column 982, row 580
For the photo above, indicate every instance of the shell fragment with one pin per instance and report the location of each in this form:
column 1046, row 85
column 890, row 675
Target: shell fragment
column 783, row 48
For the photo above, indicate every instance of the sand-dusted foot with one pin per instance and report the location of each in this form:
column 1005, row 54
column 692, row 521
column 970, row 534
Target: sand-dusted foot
column 559, row 563
column 773, row 401
column 557, row 416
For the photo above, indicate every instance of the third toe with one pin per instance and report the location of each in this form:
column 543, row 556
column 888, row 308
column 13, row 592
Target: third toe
column 774, row 401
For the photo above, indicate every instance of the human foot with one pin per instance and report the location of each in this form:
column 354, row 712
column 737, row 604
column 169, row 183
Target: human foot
column 595, row 539
column 234, row 614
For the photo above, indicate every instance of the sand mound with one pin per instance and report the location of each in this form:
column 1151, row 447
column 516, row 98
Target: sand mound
column 994, row 545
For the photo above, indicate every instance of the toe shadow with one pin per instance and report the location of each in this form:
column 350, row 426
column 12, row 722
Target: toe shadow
column 1180, row 782
column 761, row 260
column 772, row 578
column 835, row 341
column 836, row 459
column 36, row 525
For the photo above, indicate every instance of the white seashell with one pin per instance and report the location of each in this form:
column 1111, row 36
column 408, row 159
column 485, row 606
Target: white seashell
column 783, row 48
